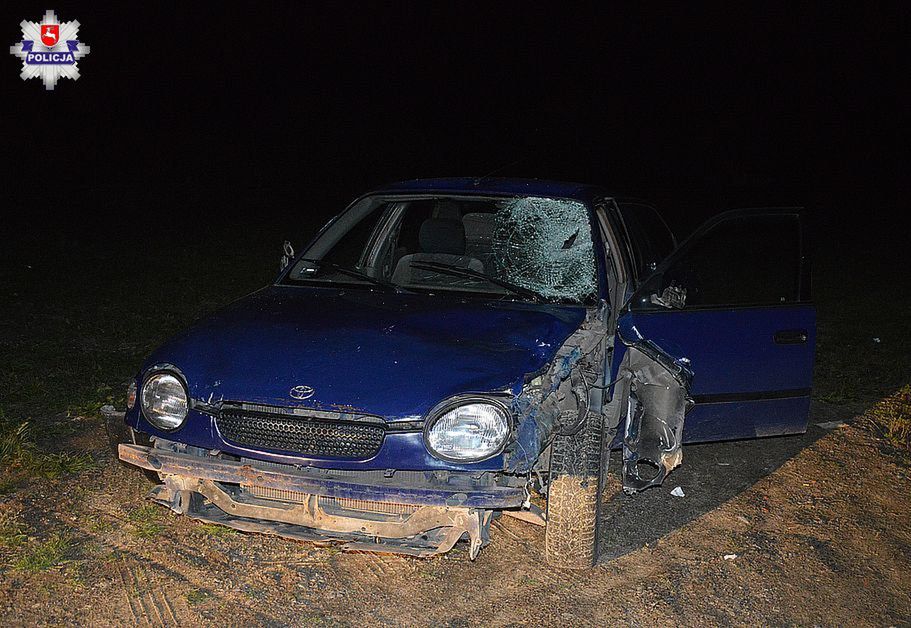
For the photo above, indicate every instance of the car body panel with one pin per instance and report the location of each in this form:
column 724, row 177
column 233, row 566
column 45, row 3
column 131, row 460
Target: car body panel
column 494, row 186
column 740, row 373
column 666, row 376
column 400, row 450
column 745, row 370
column 389, row 355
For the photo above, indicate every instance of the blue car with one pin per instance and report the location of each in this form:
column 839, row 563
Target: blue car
column 445, row 351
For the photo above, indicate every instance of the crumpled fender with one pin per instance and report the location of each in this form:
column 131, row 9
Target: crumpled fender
column 658, row 385
column 558, row 399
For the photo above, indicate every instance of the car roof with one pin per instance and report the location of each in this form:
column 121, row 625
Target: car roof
column 496, row 187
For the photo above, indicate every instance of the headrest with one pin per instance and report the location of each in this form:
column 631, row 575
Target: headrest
column 447, row 209
column 438, row 235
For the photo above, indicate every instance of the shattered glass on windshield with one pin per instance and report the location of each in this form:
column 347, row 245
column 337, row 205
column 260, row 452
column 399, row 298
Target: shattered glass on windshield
column 545, row 245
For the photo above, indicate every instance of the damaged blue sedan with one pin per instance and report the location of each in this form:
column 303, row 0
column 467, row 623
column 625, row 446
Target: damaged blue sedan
column 445, row 349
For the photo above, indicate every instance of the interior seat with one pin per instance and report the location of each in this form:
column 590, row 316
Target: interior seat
column 442, row 240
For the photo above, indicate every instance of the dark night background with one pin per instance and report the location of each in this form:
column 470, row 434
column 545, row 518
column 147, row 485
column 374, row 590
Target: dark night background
column 160, row 186
column 188, row 118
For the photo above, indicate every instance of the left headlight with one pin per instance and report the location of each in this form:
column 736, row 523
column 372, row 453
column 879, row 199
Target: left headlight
column 164, row 401
column 468, row 430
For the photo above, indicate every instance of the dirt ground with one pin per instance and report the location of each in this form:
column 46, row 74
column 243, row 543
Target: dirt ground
column 825, row 538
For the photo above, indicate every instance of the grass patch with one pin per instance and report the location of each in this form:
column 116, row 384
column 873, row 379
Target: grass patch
column 891, row 419
column 8, row 486
column 217, row 531
column 13, row 532
column 146, row 521
column 18, row 449
column 16, row 444
column 91, row 406
column 100, row 525
column 45, row 555
column 197, row 596
column 52, row 466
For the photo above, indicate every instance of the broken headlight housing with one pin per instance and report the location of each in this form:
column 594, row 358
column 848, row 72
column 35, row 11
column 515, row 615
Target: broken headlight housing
column 467, row 429
column 164, row 400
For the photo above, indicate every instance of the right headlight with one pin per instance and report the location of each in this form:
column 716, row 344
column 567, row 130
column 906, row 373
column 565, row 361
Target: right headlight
column 164, row 400
column 467, row 430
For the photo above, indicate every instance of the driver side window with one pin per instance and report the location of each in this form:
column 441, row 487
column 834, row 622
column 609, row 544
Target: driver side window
column 751, row 260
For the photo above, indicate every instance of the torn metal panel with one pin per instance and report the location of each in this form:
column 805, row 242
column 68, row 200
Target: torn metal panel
column 678, row 366
column 421, row 530
column 653, row 438
column 532, row 515
column 437, row 488
column 558, row 400
column 545, row 245
column 249, row 498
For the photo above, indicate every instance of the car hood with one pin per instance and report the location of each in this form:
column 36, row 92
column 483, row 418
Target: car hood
column 393, row 355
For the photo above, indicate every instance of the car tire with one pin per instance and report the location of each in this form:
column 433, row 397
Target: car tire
column 574, row 497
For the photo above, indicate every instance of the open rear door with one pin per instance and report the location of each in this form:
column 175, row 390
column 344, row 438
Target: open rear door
column 729, row 311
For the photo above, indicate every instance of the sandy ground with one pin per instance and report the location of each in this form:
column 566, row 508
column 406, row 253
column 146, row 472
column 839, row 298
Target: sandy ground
column 812, row 529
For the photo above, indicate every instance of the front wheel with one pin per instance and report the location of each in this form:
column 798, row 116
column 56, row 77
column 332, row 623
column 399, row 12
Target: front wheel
column 574, row 496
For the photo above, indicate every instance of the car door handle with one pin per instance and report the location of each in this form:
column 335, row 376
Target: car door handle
column 791, row 336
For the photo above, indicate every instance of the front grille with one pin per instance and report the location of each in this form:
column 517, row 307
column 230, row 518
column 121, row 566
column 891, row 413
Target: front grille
column 331, row 503
column 322, row 438
column 278, row 494
column 363, row 505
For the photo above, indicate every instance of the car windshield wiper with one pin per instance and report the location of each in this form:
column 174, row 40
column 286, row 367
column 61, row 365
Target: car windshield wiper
column 468, row 272
column 352, row 272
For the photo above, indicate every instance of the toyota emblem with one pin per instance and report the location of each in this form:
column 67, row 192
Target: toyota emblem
column 301, row 392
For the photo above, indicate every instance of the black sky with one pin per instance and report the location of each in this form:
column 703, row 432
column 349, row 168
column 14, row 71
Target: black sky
column 298, row 108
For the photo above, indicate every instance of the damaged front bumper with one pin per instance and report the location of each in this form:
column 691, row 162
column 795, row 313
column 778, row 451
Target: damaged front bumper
column 416, row 513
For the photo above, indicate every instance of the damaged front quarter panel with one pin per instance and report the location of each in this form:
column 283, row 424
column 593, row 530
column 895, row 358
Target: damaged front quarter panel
column 658, row 387
column 558, row 399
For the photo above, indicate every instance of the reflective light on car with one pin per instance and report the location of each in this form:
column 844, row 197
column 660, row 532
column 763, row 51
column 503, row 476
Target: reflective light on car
column 469, row 432
column 164, row 401
column 131, row 395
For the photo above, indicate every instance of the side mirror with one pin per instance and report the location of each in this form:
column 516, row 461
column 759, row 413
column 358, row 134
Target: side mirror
column 672, row 297
column 287, row 255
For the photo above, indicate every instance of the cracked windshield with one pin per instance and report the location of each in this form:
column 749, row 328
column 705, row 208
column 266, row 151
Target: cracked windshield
column 525, row 248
